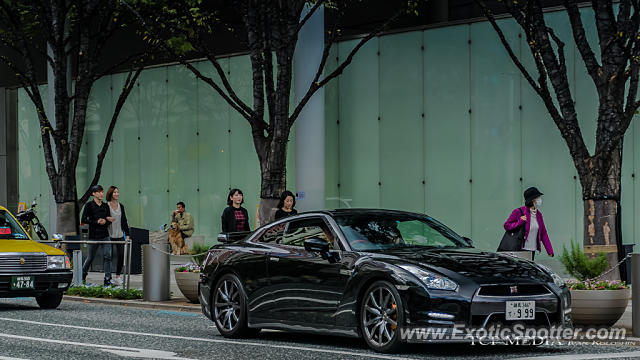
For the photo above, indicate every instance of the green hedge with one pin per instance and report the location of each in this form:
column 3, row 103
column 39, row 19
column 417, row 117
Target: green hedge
column 109, row 292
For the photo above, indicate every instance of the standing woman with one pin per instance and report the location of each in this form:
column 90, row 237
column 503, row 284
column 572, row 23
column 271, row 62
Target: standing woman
column 235, row 217
column 286, row 205
column 118, row 229
column 535, row 231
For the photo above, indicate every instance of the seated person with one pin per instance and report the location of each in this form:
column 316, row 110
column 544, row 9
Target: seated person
column 183, row 219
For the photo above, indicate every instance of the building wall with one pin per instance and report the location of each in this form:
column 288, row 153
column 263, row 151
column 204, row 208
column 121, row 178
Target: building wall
column 175, row 140
column 440, row 121
column 437, row 121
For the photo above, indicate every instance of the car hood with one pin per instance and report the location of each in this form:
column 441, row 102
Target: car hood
column 479, row 266
column 27, row 246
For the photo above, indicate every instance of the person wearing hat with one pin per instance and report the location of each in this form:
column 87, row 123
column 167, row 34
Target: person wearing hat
column 535, row 231
column 97, row 214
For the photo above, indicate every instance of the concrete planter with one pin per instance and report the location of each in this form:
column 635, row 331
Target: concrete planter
column 598, row 307
column 188, row 284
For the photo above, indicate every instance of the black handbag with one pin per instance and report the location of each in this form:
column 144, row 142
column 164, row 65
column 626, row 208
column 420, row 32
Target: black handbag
column 513, row 240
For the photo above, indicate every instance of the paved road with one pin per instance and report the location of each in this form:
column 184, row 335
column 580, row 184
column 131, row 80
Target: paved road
column 79, row 330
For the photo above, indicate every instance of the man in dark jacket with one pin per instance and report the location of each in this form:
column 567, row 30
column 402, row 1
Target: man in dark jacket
column 96, row 213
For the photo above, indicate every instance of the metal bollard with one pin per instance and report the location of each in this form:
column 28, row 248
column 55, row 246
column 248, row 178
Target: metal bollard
column 155, row 274
column 635, row 294
column 77, row 267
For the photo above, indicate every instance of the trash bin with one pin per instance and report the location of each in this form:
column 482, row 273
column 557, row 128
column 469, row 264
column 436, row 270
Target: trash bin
column 155, row 273
column 628, row 249
column 139, row 237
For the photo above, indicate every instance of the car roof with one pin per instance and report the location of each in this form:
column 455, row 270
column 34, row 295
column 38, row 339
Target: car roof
column 361, row 211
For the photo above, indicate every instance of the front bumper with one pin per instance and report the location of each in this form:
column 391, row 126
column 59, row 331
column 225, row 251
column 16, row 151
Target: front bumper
column 443, row 317
column 44, row 282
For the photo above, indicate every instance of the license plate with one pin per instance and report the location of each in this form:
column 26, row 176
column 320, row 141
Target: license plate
column 520, row 310
column 21, row 282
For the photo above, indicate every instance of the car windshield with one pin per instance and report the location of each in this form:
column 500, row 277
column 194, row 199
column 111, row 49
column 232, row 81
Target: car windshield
column 9, row 228
column 366, row 232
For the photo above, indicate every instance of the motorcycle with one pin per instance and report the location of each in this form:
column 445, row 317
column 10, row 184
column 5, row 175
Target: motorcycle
column 30, row 222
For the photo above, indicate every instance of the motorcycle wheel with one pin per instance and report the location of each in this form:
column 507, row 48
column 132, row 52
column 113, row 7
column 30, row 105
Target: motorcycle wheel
column 41, row 231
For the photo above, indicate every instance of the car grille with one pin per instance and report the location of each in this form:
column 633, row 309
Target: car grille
column 12, row 263
column 520, row 290
column 542, row 319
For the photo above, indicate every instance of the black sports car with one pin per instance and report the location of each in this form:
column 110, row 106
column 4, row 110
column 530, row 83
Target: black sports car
column 369, row 273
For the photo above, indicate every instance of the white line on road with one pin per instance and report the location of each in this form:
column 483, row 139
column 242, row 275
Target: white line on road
column 223, row 341
column 10, row 358
column 118, row 350
column 631, row 354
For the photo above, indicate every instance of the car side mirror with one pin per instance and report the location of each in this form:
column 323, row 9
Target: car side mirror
column 468, row 240
column 231, row 237
column 316, row 245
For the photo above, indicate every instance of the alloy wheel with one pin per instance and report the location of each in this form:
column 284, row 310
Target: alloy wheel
column 380, row 316
column 227, row 305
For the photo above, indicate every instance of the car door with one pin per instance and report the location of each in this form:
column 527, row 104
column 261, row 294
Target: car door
column 307, row 288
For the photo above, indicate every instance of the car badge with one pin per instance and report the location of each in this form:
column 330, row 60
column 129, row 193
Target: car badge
column 21, row 261
column 513, row 289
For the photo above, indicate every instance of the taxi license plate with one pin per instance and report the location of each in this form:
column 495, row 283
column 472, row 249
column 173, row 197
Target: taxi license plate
column 21, row 282
column 520, row 310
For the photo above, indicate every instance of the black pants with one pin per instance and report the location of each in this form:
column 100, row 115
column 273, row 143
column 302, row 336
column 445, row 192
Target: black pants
column 120, row 257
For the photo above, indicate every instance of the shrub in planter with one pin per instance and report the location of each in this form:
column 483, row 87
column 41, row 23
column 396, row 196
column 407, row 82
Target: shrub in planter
column 188, row 275
column 593, row 302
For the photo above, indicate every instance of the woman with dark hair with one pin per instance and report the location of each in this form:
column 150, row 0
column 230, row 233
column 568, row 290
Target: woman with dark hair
column 235, row 217
column 286, row 205
column 530, row 217
column 119, row 228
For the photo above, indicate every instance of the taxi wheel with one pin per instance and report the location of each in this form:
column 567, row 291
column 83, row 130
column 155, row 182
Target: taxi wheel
column 49, row 301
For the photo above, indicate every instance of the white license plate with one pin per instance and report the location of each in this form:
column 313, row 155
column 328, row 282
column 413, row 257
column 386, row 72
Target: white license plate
column 520, row 310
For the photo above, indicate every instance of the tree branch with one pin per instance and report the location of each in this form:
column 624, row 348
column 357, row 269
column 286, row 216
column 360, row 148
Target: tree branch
column 316, row 84
column 124, row 94
column 589, row 58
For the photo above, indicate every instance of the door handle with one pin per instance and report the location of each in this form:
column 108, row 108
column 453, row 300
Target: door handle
column 274, row 258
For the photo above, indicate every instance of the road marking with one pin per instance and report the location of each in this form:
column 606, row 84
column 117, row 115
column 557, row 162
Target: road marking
column 118, row 350
column 221, row 341
column 631, row 354
column 10, row 358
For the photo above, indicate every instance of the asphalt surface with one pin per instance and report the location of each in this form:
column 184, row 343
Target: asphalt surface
column 78, row 330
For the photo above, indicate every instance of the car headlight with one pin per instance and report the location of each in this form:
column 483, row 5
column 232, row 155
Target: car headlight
column 432, row 280
column 556, row 278
column 56, row 262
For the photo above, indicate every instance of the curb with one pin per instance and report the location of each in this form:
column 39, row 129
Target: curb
column 195, row 308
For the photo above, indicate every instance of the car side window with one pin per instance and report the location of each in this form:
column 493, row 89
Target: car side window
column 273, row 234
column 301, row 230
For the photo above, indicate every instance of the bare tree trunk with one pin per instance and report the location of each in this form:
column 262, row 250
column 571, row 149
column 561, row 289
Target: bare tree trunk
column 65, row 193
column 273, row 166
column 601, row 192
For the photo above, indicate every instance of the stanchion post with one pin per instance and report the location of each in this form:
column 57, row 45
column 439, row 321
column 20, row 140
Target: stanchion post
column 125, row 257
column 635, row 294
column 129, row 265
column 77, row 267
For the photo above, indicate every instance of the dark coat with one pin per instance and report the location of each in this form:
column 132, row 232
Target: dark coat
column 229, row 219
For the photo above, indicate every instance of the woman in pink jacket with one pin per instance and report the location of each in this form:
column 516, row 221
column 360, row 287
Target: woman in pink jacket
column 535, row 231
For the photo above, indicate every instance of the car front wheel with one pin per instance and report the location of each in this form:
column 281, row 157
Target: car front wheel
column 230, row 309
column 381, row 312
column 49, row 301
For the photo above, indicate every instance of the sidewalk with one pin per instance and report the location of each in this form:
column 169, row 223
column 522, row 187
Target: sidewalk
column 177, row 302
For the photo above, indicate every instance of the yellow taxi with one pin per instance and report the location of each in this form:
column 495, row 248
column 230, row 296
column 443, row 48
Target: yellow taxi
column 29, row 268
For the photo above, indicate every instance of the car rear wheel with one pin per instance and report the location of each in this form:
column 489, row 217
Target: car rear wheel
column 381, row 312
column 49, row 301
column 230, row 308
